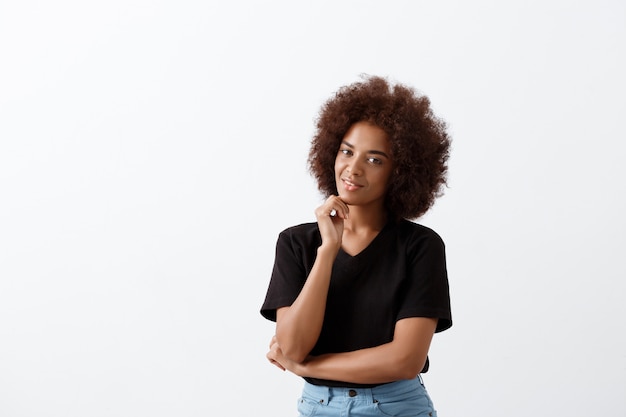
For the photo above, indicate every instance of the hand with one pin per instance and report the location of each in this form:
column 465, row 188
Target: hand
column 331, row 227
column 276, row 358
column 275, row 353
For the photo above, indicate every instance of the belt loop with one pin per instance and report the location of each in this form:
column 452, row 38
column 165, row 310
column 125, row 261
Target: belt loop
column 419, row 376
column 325, row 397
column 318, row 393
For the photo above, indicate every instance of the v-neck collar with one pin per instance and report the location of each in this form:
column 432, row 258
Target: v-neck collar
column 367, row 251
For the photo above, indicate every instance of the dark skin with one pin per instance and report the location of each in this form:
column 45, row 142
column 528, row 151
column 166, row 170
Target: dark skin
column 363, row 169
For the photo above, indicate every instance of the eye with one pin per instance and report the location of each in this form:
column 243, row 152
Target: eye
column 374, row 161
column 346, row 152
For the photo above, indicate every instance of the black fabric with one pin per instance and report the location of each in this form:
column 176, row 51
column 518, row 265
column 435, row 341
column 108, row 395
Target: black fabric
column 402, row 273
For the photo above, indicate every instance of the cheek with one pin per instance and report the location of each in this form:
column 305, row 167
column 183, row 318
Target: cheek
column 338, row 167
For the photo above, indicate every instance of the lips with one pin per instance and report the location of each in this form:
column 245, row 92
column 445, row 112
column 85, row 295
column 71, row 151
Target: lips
column 350, row 186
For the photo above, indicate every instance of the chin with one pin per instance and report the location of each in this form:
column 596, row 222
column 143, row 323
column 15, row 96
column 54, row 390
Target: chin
column 348, row 200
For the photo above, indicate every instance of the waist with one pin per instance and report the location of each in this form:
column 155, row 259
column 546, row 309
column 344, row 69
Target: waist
column 339, row 384
column 397, row 388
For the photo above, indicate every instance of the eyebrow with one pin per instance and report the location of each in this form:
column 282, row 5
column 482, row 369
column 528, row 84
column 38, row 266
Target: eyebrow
column 373, row 151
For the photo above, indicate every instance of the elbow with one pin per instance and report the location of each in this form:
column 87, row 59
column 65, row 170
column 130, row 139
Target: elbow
column 295, row 355
column 409, row 373
column 292, row 350
column 410, row 368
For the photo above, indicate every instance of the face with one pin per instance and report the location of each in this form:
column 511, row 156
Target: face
column 363, row 166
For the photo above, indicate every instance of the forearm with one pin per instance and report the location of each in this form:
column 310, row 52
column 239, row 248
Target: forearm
column 367, row 366
column 298, row 326
column 402, row 358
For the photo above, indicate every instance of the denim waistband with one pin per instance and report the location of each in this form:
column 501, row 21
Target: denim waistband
column 324, row 394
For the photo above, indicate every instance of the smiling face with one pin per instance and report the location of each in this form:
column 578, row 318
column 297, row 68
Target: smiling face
column 363, row 166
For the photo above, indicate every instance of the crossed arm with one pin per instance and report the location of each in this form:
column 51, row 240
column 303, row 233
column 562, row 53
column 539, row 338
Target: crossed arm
column 402, row 358
column 298, row 326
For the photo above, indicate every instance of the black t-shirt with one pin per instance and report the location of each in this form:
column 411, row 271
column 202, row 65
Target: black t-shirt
column 401, row 273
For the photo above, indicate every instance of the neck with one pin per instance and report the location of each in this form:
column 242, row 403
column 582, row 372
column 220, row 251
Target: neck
column 366, row 219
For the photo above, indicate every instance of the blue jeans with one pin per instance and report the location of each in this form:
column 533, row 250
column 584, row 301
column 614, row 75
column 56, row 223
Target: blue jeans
column 397, row 399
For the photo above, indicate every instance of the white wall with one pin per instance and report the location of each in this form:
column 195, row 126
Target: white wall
column 151, row 152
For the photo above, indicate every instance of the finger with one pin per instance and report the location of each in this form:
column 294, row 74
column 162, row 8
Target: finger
column 278, row 365
column 270, row 358
column 339, row 207
column 334, row 207
column 273, row 341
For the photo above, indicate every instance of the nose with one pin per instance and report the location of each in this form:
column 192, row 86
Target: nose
column 354, row 167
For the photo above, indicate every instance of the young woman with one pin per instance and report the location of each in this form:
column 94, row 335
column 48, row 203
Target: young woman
column 358, row 295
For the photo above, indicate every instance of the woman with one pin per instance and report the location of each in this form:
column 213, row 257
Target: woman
column 358, row 295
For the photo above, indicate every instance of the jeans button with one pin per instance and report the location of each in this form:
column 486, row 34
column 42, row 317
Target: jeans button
column 352, row 393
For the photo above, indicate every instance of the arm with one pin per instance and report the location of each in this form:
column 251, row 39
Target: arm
column 298, row 326
column 402, row 358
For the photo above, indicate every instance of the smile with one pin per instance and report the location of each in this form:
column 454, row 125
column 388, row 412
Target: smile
column 350, row 186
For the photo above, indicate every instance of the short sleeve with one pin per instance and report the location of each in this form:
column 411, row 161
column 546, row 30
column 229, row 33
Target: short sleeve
column 287, row 279
column 426, row 290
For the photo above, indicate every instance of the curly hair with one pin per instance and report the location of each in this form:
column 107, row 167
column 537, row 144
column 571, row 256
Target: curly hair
column 419, row 142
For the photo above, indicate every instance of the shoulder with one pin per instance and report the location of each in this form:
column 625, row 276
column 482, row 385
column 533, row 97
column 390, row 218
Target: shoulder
column 301, row 234
column 299, row 242
column 301, row 230
column 410, row 231
column 418, row 240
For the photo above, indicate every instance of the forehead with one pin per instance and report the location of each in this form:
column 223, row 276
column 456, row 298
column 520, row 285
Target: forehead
column 368, row 137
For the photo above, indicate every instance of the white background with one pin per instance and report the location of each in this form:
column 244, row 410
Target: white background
column 151, row 152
